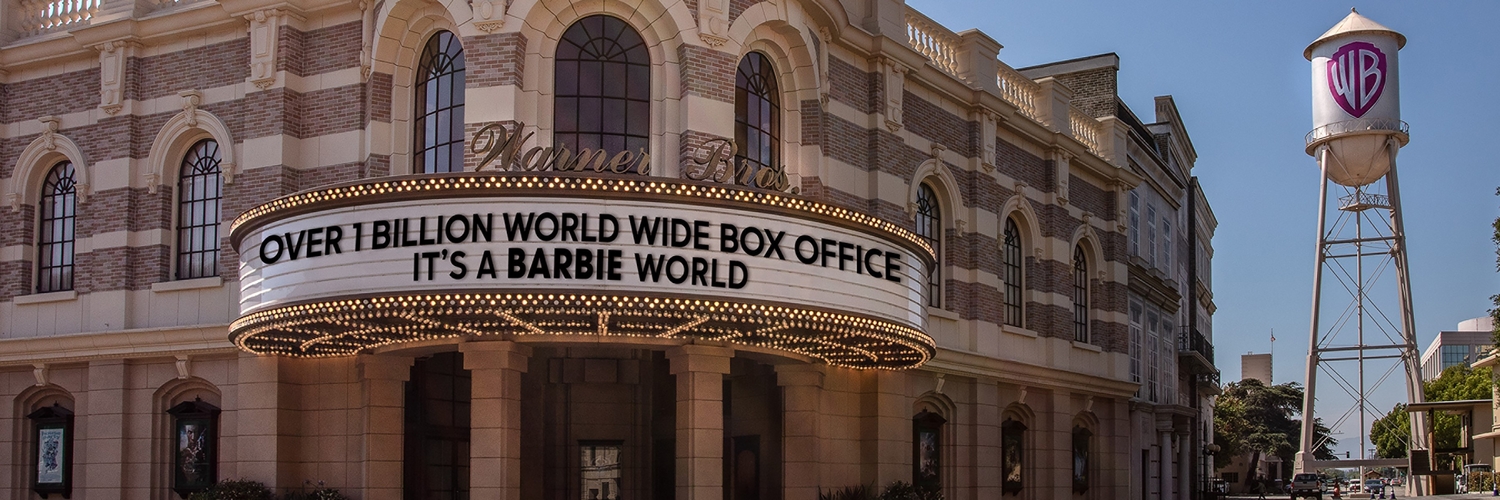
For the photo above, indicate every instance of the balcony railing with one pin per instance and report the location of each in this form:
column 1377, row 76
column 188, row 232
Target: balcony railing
column 46, row 16
column 931, row 39
column 1191, row 340
column 1023, row 93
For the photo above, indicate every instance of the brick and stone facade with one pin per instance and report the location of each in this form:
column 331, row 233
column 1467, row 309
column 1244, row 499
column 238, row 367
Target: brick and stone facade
column 312, row 93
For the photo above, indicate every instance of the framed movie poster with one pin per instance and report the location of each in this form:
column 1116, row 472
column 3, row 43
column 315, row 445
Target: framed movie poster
column 1081, row 438
column 52, row 473
column 1012, row 458
column 195, row 446
column 600, row 469
column 927, row 446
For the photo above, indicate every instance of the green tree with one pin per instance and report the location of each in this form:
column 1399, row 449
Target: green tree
column 1458, row 383
column 1256, row 419
column 1495, row 313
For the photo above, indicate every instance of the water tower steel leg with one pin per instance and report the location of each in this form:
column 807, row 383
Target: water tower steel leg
column 1419, row 423
column 1304, row 455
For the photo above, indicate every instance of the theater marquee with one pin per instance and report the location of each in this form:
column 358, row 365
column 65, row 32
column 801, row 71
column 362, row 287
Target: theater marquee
column 352, row 267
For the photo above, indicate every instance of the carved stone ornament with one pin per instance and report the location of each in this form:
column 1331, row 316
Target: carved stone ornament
column 367, row 32
column 895, row 88
column 14, row 200
column 112, row 57
column 191, row 99
column 265, row 30
column 937, row 150
column 824, row 37
column 39, row 372
column 184, row 369
column 713, row 29
column 152, row 180
column 714, row 41
column 490, row 15
column 50, row 126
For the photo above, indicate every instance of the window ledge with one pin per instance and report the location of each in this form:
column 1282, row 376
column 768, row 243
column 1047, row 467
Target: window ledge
column 942, row 313
column 1087, row 347
column 41, row 298
column 192, row 284
column 1015, row 330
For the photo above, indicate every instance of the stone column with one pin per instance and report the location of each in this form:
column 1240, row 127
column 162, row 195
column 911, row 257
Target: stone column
column 382, row 381
column 986, row 445
column 801, row 444
column 1184, row 466
column 495, row 417
column 886, row 434
column 1165, row 464
column 257, row 407
column 100, row 461
column 700, row 374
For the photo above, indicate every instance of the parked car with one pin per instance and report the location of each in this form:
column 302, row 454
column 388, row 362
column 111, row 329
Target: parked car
column 1307, row 486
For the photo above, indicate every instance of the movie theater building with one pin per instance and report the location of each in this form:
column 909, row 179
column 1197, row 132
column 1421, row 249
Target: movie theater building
column 539, row 249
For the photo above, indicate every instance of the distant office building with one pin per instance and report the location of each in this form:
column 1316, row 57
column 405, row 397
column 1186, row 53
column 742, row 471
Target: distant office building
column 1256, row 366
column 1465, row 345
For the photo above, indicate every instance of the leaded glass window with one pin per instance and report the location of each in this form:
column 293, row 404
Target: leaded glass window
column 1010, row 269
column 1080, row 296
column 199, row 191
column 439, row 125
column 603, row 87
column 59, row 211
column 757, row 112
column 930, row 228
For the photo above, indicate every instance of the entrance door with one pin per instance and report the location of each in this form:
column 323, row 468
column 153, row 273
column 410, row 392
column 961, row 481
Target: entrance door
column 436, row 463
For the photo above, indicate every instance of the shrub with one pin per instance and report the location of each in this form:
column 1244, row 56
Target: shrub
column 860, row 492
column 235, row 489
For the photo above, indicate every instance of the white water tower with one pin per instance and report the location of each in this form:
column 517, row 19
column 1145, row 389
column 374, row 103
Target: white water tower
column 1357, row 132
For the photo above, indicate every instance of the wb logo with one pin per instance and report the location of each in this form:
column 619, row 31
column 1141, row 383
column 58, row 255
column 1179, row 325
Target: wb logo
column 1356, row 75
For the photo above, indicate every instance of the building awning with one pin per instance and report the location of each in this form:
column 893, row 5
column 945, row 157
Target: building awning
column 1448, row 405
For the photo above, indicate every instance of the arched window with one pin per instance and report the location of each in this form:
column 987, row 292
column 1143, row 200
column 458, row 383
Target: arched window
column 59, row 210
column 757, row 113
column 1080, row 296
column 1010, row 270
column 199, row 191
column 930, row 228
column 603, row 87
column 438, row 130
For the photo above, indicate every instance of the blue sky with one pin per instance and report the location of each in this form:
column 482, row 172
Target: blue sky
column 1237, row 73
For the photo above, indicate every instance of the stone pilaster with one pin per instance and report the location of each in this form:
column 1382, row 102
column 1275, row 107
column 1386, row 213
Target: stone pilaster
column 382, row 381
column 802, row 396
column 100, row 460
column 258, row 430
column 700, row 372
column 495, row 417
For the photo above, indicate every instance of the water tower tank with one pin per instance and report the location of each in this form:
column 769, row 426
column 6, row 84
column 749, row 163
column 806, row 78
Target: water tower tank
column 1356, row 99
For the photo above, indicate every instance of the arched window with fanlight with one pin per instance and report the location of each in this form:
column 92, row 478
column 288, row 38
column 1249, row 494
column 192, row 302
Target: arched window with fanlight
column 602, row 87
column 930, row 228
column 1080, row 295
column 438, row 126
column 58, row 210
column 757, row 113
column 199, row 192
column 1010, row 271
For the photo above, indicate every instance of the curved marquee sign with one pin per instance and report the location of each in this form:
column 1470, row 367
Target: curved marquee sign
column 348, row 268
